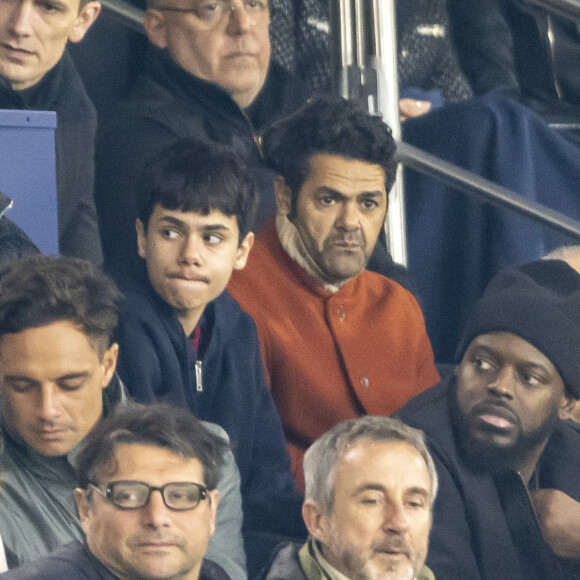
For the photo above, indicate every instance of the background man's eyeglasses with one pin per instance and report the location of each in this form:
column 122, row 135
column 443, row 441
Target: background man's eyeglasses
column 210, row 13
column 132, row 495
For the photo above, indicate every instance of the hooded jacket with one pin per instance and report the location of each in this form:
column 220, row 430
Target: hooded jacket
column 223, row 383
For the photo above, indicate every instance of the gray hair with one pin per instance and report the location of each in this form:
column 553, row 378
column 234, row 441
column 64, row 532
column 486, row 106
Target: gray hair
column 325, row 452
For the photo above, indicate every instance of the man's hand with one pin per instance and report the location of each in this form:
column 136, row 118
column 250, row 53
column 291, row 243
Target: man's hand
column 412, row 108
column 559, row 517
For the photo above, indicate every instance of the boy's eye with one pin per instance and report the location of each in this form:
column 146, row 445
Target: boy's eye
column 212, row 239
column 170, row 234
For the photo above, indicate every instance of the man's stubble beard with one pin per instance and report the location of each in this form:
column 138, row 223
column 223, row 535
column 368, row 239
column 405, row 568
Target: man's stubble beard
column 367, row 570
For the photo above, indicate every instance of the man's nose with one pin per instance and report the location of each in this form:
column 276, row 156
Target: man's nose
column 348, row 217
column 155, row 513
column 239, row 19
column 395, row 516
column 22, row 13
column 49, row 403
column 504, row 382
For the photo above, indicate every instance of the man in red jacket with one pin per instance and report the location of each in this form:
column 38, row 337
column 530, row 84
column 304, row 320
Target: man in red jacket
column 337, row 340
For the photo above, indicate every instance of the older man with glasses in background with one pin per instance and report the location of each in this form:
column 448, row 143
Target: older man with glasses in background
column 209, row 76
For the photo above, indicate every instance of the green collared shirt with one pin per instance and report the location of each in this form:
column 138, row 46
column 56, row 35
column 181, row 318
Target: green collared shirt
column 316, row 567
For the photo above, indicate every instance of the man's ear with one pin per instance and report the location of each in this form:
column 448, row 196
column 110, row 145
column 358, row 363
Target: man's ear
column 567, row 408
column 283, row 196
column 315, row 520
column 213, row 499
column 141, row 238
column 154, row 23
column 87, row 15
column 82, row 505
column 109, row 364
column 244, row 251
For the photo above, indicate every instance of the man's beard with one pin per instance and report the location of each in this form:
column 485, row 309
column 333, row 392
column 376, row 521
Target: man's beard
column 485, row 456
column 361, row 568
column 369, row 572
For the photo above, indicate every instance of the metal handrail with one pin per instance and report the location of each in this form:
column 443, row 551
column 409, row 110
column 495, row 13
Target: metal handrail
column 419, row 160
column 371, row 80
column 129, row 14
column 483, row 189
column 568, row 9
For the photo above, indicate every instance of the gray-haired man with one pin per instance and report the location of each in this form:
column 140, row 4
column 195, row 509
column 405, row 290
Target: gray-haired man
column 370, row 487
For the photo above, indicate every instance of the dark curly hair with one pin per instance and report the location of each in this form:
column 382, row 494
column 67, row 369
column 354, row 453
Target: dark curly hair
column 330, row 125
column 198, row 176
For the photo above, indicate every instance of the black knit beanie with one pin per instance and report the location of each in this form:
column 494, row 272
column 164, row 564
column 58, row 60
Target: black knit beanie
column 539, row 302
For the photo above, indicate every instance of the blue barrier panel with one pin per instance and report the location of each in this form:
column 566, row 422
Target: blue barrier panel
column 28, row 173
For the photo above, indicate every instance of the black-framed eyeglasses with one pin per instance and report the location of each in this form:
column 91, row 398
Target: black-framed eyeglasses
column 132, row 495
column 210, row 13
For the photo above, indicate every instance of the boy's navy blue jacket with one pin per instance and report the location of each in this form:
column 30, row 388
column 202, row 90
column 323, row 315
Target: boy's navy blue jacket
column 484, row 526
column 157, row 362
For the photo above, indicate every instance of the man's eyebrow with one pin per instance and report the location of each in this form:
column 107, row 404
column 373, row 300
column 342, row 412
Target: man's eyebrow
column 77, row 375
column 496, row 353
column 418, row 491
column 56, row 4
column 19, row 378
column 325, row 190
column 369, row 487
column 68, row 376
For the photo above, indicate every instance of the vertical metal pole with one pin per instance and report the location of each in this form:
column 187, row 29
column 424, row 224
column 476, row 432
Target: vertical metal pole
column 385, row 64
column 372, row 81
column 344, row 21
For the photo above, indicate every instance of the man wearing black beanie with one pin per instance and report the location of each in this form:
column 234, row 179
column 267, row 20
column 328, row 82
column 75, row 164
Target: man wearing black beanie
column 507, row 459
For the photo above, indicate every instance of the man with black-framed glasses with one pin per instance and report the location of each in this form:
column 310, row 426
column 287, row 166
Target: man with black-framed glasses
column 147, row 500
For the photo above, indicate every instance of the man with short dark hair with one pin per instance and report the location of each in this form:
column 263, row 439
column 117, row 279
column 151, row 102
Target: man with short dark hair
column 508, row 465
column 57, row 380
column 370, row 488
column 337, row 340
column 147, row 500
column 36, row 72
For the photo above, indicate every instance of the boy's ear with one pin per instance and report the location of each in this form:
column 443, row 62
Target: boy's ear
column 244, row 251
column 141, row 238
